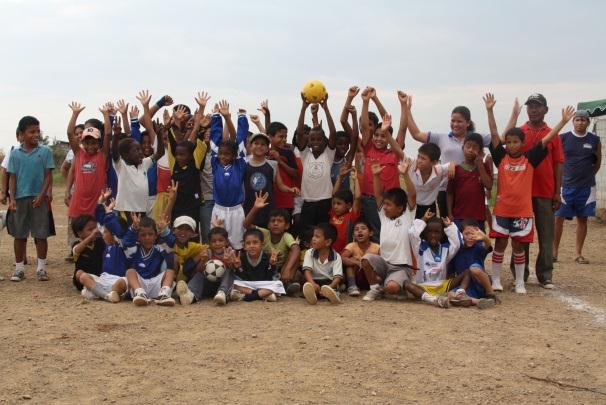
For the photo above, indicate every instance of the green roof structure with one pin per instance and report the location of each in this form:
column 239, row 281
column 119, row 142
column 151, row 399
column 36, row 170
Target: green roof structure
column 595, row 108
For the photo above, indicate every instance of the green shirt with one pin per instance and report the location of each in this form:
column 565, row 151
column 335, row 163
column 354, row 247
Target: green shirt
column 282, row 246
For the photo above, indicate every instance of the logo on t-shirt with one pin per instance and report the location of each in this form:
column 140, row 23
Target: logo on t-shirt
column 316, row 170
column 258, row 181
column 89, row 167
column 587, row 146
column 515, row 168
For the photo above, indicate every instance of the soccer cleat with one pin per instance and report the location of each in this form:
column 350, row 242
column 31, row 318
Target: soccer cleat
column 18, row 275
column 293, row 289
column 141, row 299
column 372, row 294
column 310, row 293
column 165, row 301
column 186, row 297
column 519, row 288
column 330, row 294
column 271, row 298
column 496, row 284
column 41, row 275
column 484, row 303
column 220, row 299
column 353, row 291
column 113, row 297
column 443, row 302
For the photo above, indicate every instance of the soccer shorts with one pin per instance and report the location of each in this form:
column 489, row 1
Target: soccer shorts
column 519, row 229
column 437, row 289
column 577, row 202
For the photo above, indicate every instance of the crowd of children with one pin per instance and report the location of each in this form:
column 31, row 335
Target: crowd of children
column 195, row 207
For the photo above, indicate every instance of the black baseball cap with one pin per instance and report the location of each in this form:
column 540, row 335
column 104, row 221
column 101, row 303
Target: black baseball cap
column 536, row 98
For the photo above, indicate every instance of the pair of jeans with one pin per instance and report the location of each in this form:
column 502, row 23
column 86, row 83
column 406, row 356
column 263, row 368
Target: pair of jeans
column 206, row 213
column 204, row 288
column 370, row 212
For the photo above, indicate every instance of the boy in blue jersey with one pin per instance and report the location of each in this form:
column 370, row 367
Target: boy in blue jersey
column 151, row 268
column 228, row 167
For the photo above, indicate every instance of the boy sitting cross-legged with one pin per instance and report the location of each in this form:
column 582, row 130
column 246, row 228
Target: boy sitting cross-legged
column 322, row 267
column 277, row 239
column 352, row 257
column 393, row 267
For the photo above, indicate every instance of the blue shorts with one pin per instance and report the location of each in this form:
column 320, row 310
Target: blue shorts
column 577, row 202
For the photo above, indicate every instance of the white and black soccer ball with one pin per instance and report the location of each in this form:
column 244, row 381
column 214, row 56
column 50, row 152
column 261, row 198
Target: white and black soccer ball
column 214, row 270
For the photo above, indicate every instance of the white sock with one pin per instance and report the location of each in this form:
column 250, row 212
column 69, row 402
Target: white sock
column 41, row 264
column 140, row 291
column 375, row 287
column 429, row 298
column 519, row 264
column 20, row 266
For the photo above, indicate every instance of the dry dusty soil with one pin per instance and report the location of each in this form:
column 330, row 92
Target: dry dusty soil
column 545, row 347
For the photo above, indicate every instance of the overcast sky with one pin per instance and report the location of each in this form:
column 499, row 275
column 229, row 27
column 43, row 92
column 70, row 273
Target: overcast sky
column 445, row 53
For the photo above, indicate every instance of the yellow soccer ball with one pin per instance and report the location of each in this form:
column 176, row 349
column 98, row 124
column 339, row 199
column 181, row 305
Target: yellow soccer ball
column 314, row 91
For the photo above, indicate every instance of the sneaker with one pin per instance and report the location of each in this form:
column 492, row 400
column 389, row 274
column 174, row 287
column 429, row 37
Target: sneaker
column 87, row 294
column 330, row 294
column 460, row 302
column 236, row 295
column 186, row 297
column 112, row 296
column 310, row 293
column 42, row 275
column 548, row 285
column 372, row 294
column 443, row 302
column 165, row 301
column 353, row 291
column 496, row 284
column 293, row 289
column 220, row 299
column 519, row 288
column 141, row 299
column 271, row 298
column 484, row 303
column 18, row 275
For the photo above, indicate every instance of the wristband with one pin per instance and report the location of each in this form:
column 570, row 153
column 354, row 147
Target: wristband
column 160, row 103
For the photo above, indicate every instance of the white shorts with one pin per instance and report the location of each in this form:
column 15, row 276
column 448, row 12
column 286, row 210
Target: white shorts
column 105, row 281
column 151, row 286
column 298, row 205
column 151, row 199
column 275, row 286
column 234, row 223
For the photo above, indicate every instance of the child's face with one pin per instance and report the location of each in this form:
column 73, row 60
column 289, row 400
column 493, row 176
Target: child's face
column 279, row 139
column 78, row 132
column 513, row 144
column 434, row 233
column 580, row 124
column 147, row 237
column 259, row 147
column 469, row 235
column 184, row 234
column 89, row 228
column 340, row 206
column 361, row 233
column 108, row 237
column 277, row 225
column 319, row 241
column 458, row 124
column 391, row 209
column 182, row 156
column 91, row 145
column 135, row 154
column 342, row 146
column 146, row 146
column 317, row 141
column 424, row 163
column 471, row 150
column 31, row 135
column 253, row 245
column 217, row 244
column 225, row 156
column 379, row 139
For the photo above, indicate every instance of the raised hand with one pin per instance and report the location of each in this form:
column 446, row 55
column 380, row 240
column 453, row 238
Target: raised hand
column 264, row 107
column 255, row 119
column 166, row 100
column 428, row 215
column 202, row 99
column 144, row 97
column 261, row 200
column 166, row 118
column 353, row 91
column 111, row 108
column 305, row 102
column 567, row 113
column 110, row 207
column 344, row 169
column 386, row 122
column 224, row 108
column 237, row 260
column 104, row 109
column 218, row 222
column 451, row 170
column 314, row 109
column 489, row 101
column 134, row 112
column 205, row 122
column 446, row 221
column 179, row 114
column 117, row 128
column 372, row 92
column 403, row 98
column 479, row 235
column 122, row 107
column 273, row 259
column 76, row 107
column 352, row 110
column 105, row 194
column 376, row 167
column 366, row 94
column 324, row 102
column 517, row 108
column 162, row 222
column 136, row 218
column 172, row 190
column 404, row 166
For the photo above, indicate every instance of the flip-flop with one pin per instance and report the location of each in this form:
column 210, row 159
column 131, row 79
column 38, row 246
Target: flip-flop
column 581, row 260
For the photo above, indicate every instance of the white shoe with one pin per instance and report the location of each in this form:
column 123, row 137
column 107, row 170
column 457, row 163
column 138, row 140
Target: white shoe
column 112, row 296
column 141, row 299
column 519, row 288
column 236, row 295
column 186, row 297
column 220, row 298
column 271, row 298
column 87, row 294
column 310, row 293
column 330, row 294
column 353, row 291
column 496, row 284
column 372, row 294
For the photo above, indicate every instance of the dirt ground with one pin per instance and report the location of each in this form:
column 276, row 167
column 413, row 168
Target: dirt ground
column 545, row 347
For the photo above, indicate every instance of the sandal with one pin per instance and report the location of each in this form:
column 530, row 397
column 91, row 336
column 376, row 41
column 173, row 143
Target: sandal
column 581, row 260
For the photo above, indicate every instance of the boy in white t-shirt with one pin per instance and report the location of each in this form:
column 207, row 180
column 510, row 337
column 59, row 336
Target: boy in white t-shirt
column 393, row 267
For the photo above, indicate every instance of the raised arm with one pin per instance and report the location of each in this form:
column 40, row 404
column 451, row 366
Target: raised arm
column 401, row 136
column 365, row 127
column 107, row 131
column 489, row 102
column 395, row 147
column 513, row 119
column 415, row 132
column 375, row 99
column 123, row 110
column 376, row 169
column 351, row 94
column 343, row 170
column 332, row 130
column 485, row 175
column 355, row 179
column 411, row 191
column 74, row 143
column 257, row 121
column 354, row 136
column 224, row 111
column 301, row 140
column 260, row 203
column 567, row 114
column 264, row 109
column 164, row 101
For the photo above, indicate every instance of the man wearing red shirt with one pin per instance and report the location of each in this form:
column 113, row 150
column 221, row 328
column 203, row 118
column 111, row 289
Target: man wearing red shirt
column 545, row 187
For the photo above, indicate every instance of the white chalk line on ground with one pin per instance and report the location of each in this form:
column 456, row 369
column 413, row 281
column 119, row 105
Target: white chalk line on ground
column 576, row 303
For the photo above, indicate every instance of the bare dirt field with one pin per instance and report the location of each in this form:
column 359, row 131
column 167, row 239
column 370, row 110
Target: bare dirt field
column 545, row 347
